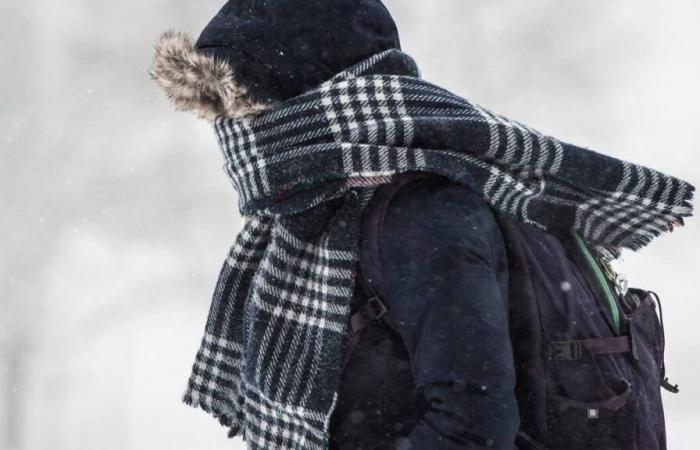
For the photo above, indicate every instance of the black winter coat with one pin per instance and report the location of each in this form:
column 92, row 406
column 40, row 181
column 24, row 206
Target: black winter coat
column 445, row 276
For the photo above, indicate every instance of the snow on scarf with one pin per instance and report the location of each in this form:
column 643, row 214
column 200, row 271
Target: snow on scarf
column 270, row 360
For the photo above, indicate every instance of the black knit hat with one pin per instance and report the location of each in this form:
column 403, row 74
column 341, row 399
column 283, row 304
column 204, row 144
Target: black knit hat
column 284, row 47
column 272, row 49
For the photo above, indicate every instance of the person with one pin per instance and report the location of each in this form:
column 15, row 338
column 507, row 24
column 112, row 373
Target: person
column 463, row 246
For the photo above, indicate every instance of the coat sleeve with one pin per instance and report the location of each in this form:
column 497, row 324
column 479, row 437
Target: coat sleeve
column 445, row 276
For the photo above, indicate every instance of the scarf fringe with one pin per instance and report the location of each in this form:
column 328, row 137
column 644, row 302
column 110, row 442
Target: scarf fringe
column 235, row 428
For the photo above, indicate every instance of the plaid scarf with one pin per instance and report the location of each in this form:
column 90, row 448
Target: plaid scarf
column 270, row 360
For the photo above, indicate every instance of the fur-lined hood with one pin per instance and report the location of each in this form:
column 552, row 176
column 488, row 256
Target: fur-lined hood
column 198, row 82
column 256, row 53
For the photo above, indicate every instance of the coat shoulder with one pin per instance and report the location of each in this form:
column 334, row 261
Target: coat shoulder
column 440, row 204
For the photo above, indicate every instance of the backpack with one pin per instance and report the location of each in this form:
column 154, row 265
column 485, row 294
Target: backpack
column 576, row 388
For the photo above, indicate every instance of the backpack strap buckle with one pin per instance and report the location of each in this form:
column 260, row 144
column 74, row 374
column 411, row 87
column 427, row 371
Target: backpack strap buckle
column 572, row 350
column 373, row 309
column 378, row 306
column 566, row 350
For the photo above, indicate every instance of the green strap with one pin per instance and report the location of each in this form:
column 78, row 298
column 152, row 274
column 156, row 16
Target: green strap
column 601, row 280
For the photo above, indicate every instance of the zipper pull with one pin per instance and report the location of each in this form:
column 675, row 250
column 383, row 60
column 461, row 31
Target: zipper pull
column 619, row 280
column 621, row 284
column 609, row 272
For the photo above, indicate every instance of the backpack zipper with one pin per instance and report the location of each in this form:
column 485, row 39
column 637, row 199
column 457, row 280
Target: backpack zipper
column 602, row 280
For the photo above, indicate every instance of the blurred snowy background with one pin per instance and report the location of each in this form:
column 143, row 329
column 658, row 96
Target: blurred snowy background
column 116, row 214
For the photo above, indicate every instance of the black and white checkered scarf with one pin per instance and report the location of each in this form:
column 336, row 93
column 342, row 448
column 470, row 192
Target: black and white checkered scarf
column 270, row 360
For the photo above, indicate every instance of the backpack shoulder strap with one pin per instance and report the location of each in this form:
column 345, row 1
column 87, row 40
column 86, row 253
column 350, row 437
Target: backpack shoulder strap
column 373, row 231
column 369, row 274
column 525, row 331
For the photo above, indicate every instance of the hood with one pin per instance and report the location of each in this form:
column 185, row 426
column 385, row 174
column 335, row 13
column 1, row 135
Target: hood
column 256, row 53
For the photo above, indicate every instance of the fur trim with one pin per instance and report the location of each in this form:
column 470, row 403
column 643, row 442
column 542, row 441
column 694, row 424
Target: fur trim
column 199, row 83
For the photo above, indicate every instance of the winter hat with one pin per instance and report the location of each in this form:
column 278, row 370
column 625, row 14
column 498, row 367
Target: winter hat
column 255, row 53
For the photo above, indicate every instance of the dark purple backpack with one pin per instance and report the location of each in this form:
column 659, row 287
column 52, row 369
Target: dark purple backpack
column 578, row 386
